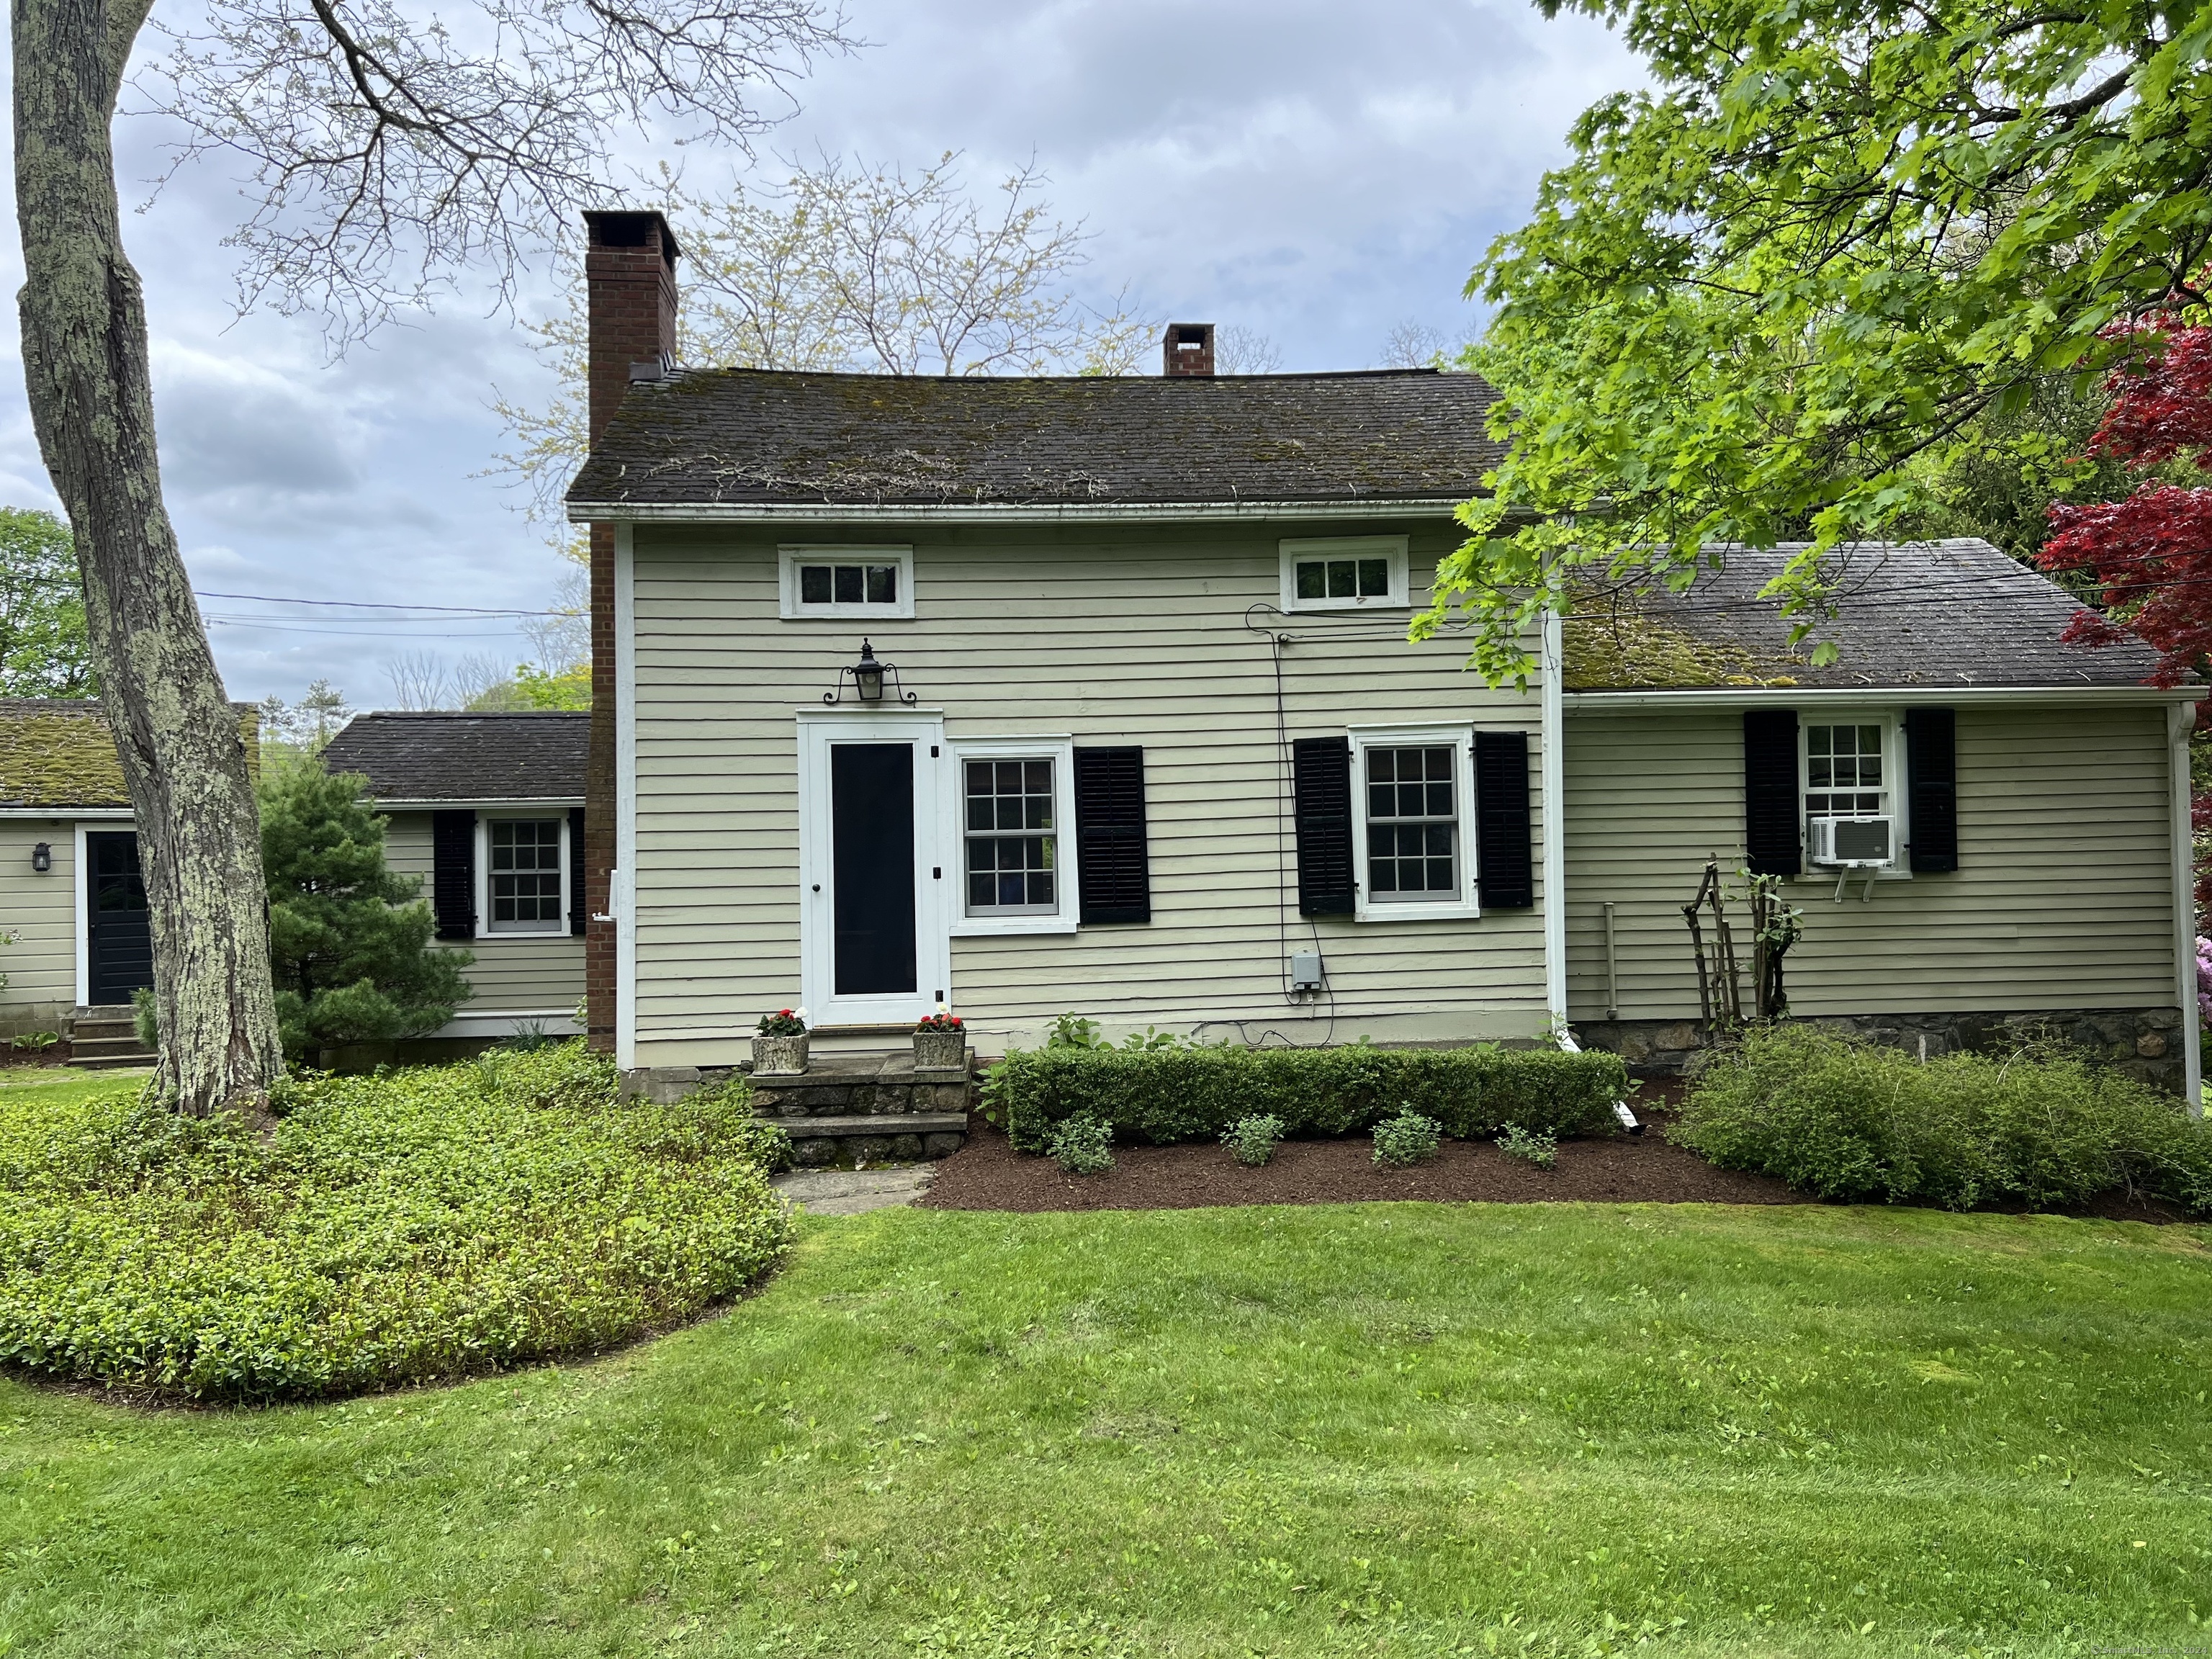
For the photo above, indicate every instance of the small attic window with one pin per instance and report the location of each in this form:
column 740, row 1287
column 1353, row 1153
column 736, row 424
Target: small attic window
column 871, row 582
column 1352, row 572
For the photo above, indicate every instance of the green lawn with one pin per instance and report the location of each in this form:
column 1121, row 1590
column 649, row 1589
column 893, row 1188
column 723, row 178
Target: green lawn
column 1384, row 1429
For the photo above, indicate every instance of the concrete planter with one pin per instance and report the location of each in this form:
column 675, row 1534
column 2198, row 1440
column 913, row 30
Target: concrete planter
column 942, row 1051
column 779, row 1055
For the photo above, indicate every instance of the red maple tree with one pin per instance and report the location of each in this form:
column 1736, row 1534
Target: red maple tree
column 2150, row 554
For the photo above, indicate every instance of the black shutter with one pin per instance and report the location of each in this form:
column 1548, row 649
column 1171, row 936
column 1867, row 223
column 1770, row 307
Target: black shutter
column 453, row 872
column 1321, row 781
column 1770, row 800
column 1504, row 871
column 1932, row 774
column 577, row 915
column 1113, row 870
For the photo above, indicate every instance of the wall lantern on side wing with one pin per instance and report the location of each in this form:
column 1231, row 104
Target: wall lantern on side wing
column 868, row 678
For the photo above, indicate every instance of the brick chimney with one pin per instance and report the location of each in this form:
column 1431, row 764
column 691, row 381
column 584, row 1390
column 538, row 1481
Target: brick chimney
column 630, row 291
column 1189, row 350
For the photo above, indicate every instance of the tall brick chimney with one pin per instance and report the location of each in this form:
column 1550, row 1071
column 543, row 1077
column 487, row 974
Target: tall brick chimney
column 1189, row 350
column 630, row 288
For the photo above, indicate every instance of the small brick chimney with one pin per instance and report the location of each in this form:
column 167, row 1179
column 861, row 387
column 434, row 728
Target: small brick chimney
column 629, row 292
column 1189, row 351
column 629, row 287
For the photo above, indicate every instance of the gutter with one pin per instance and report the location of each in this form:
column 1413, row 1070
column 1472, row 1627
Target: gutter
column 1594, row 703
column 1003, row 513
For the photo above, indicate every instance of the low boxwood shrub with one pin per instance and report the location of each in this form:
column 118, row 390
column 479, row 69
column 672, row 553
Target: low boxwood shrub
column 1853, row 1120
column 391, row 1229
column 1408, row 1138
column 1169, row 1095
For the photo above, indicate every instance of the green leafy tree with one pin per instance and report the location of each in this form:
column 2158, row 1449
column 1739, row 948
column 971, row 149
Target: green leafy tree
column 1836, row 243
column 44, row 652
column 349, row 941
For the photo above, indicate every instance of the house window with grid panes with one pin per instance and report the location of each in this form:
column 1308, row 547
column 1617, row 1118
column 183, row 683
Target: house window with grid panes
column 1413, row 825
column 1846, row 771
column 1012, row 838
column 523, row 874
column 1342, row 578
column 848, row 583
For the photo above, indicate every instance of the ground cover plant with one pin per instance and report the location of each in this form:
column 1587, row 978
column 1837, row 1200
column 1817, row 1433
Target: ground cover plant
column 416, row 1224
column 1406, row 1430
column 1851, row 1120
column 1192, row 1092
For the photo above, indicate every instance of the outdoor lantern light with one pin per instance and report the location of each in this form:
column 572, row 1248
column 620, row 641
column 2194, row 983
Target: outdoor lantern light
column 867, row 676
column 42, row 858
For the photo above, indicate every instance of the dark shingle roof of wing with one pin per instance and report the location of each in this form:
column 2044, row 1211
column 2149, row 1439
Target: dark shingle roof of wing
column 520, row 755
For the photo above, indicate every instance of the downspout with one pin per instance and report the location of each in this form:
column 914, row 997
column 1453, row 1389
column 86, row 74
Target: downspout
column 2179, row 718
column 1553, row 787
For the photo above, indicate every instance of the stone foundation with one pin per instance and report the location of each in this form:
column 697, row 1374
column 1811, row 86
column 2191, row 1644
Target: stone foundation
column 2146, row 1044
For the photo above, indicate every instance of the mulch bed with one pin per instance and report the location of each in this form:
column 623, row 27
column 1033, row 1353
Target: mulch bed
column 988, row 1174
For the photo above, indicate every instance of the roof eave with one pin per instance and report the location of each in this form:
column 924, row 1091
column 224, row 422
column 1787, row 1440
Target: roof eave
column 1854, row 696
column 1000, row 513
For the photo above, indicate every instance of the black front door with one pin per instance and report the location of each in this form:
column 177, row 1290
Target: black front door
column 872, row 856
column 119, row 939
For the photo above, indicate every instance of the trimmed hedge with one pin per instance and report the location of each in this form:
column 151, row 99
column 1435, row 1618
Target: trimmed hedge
column 1171, row 1095
column 401, row 1228
column 1851, row 1120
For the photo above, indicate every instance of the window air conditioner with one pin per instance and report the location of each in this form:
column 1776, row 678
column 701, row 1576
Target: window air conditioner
column 1853, row 843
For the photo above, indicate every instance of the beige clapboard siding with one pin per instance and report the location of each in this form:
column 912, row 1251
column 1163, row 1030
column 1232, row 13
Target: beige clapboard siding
column 1105, row 636
column 2064, row 896
column 40, row 911
column 538, row 975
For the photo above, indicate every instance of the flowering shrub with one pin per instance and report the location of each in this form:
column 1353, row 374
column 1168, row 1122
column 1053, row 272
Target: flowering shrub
column 1531, row 1146
column 1407, row 1140
column 1083, row 1145
column 784, row 1022
column 1253, row 1139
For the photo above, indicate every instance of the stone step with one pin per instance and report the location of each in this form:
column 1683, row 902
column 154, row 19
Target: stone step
column 102, row 1031
column 871, row 1137
column 109, row 1048
column 111, row 1062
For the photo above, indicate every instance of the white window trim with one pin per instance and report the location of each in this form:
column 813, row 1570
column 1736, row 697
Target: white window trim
column 789, row 558
column 484, row 929
column 1468, row 902
column 1391, row 547
column 1060, row 749
column 1901, row 802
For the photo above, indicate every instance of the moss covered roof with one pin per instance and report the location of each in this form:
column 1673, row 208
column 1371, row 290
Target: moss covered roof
column 61, row 754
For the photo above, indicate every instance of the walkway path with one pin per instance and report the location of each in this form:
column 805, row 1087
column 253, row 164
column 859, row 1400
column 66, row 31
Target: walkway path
column 855, row 1192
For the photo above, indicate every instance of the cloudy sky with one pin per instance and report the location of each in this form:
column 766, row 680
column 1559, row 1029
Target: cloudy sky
column 1315, row 172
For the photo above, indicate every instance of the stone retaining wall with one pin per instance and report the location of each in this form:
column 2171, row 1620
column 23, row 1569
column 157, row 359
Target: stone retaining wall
column 2146, row 1044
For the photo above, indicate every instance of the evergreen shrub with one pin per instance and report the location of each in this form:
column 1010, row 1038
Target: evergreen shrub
column 1083, row 1146
column 1853, row 1120
column 1189, row 1093
column 392, row 1229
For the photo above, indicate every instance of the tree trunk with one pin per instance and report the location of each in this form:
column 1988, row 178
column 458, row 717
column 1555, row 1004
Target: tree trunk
column 85, row 364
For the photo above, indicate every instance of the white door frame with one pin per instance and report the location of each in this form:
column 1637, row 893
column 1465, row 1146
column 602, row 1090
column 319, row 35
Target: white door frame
column 933, row 877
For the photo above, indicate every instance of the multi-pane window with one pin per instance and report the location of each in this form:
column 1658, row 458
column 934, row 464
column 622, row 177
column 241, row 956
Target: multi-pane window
column 523, row 874
column 1011, row 843
column 1413, row 825
column 1845, row 777
column 1342, row 579
column 848, row 583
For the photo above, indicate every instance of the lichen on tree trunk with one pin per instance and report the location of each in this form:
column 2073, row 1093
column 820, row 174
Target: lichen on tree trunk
column 85, row 365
